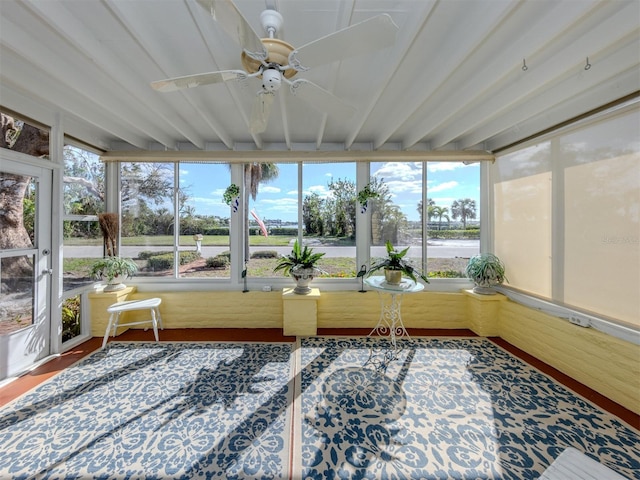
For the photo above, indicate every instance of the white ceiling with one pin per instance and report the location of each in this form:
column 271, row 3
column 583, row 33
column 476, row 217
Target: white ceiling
column 453, row 80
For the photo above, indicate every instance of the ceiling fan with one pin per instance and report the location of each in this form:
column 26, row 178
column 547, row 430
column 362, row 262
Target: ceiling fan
column 275, row 61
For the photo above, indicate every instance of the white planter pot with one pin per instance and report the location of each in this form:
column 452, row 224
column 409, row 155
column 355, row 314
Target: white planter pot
column 303, row 277
column 116, row 284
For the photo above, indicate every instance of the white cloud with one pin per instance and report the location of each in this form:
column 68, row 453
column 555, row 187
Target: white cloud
column 321, row 190
column 444, row 166
column 399, row 171
column 442, row 186
column 268, row 189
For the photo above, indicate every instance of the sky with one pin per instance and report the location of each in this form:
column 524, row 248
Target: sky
column 446, row 182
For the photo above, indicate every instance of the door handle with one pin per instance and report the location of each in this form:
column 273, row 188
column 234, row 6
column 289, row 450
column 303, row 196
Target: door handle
column 48, row 271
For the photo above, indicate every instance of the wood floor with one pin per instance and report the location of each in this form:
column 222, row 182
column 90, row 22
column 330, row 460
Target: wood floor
column 28, row 381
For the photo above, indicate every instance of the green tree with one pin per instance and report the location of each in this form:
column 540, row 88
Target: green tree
column 312, row 208
column 143, row 187
column 344, row 195
column 440, row 213
column 20, row 137
column 430, row 204
column 463, row 209
column 387, row 220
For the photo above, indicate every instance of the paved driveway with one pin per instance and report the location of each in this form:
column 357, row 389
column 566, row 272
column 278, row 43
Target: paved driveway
column 435, row 249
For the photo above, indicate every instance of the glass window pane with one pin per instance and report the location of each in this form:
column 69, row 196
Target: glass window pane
column 83, row 182
column 24, row 137
column 272, row 217
column 147, row 223
column 329, row 215
column 83, row 201
column 17, row 288
column 204, row 221
column 453, row 213
column 394, row 212
column 71, row 319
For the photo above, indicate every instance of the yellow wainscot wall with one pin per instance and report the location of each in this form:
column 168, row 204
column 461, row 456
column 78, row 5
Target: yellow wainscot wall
column 606, row 364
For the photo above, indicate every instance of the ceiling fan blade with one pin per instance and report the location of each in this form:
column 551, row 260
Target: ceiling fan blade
column 320, row 99
column 190, row 81
column 227, row 15
column 260, row 112
column 372, row 34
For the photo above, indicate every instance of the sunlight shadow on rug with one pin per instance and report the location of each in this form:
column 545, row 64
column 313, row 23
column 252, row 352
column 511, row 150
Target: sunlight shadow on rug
column 444, row 408
column 157, row 410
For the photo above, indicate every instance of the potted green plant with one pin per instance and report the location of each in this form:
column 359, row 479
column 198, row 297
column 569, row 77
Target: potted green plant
column 486, row 271
column 301, row 264
column 395, row 266
column 115, row 270
column 231, row 196
column 364, row 195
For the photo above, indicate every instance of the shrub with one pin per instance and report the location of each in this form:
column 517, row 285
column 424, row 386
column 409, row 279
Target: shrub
column 160, row 262
column 219, row 261
column 71, row 318
column 147, row 254
column 164, row 261
column 265, row 254
column 446, row 274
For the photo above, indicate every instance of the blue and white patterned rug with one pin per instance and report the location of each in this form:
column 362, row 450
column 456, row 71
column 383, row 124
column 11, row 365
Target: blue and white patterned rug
column 149, row 410
column 458, row 408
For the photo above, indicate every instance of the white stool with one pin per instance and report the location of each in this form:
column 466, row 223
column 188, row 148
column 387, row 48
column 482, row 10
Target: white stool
column 572, row 464
column 116, row 309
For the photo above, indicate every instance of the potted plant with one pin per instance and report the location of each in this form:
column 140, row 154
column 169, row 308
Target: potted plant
column 486, row 271
column 364, row 195
column 301, row 265
column 395, row 266
column 231, row 196
column 115, row 270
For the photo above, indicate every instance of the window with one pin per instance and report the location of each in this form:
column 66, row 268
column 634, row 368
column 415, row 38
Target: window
column 279, row 203
column 453, row 217
column 522, row 217
column 203, row 217
column 148, row 220
column 451, row 213
column 395, row 210
column 271, row 193
column 567, row 216
column 83, row 201
column 329, row 216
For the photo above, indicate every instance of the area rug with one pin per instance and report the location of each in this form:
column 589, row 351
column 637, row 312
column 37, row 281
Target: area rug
column 157, row 410
column 439, row 408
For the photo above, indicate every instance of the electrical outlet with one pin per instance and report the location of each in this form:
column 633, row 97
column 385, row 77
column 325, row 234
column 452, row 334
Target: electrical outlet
column 578, row 320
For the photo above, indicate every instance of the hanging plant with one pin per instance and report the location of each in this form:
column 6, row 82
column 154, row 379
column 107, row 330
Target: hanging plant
column 364, row 195
column 231, row 197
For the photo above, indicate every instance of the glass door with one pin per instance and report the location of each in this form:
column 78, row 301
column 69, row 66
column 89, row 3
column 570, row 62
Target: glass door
column 25, row 265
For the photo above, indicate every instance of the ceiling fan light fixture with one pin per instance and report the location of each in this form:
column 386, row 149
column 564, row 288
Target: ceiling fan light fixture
column 278, row 52
column 271, row 79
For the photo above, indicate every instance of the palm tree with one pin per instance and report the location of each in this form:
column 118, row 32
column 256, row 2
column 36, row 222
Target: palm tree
column 464, row 208
column 430, row 204
column 441, row 212
column 254, row 174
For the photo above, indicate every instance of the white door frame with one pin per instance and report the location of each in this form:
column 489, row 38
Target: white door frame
column 20, row 350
